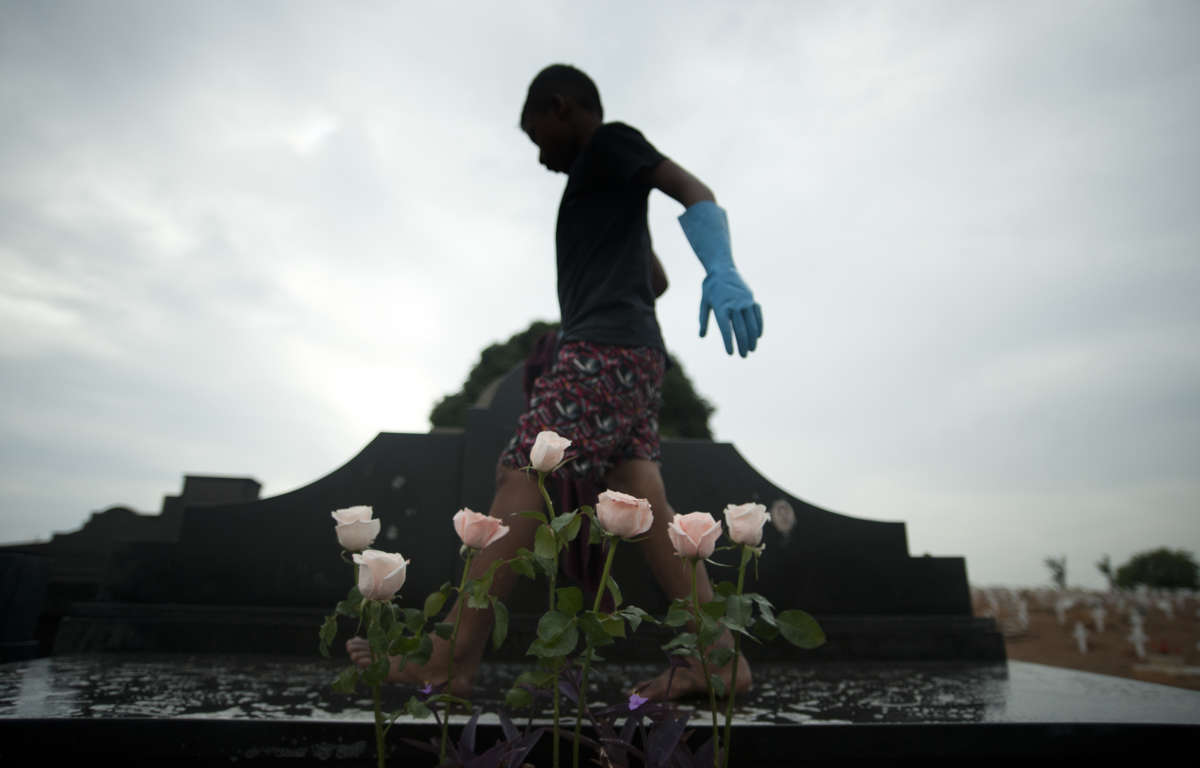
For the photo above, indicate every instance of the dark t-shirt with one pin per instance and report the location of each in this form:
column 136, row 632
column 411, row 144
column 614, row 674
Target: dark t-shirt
column 604, row 262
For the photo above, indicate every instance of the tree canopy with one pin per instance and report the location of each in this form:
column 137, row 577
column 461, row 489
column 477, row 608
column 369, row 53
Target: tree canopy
column 1161, row 569
column 684, row 412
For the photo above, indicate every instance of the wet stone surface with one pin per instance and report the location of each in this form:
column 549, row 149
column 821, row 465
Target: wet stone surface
column 244, row 687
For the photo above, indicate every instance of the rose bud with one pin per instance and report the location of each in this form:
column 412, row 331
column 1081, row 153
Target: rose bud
column 380, row 574
column 547, row 451
column 694, row 535
column 355, row 529
column 745, row 522
column 623, row 515
column 478, row 531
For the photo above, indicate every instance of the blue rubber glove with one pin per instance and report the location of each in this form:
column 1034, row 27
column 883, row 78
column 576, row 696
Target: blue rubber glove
column 723, row 292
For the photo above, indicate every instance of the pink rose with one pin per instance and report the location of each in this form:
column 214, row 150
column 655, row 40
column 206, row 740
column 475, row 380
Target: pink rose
column 745, row 523
column 355, row 529
column 623, row 515
column 547, row 451
column 694, row 535
column 478, row 531
column 380, row 574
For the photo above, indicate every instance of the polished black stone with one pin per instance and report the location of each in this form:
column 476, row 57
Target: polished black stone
column 120, row 582
column 212, row 708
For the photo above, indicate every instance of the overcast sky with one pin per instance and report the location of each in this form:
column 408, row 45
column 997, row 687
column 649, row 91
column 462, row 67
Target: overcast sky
column 245, row 237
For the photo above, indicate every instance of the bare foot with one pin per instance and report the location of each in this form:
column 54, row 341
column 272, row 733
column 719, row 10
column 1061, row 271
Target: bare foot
column 433, row 673
column 689, row 681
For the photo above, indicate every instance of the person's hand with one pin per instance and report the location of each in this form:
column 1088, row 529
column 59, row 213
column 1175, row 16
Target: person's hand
column 360, row 651
column 727, row 296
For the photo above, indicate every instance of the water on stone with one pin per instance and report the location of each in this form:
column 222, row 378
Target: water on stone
column 241, row 687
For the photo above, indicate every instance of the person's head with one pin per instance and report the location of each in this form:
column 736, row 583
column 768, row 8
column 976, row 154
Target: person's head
column 560, row 112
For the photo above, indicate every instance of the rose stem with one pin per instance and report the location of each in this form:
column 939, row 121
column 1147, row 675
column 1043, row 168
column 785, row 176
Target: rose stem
column 712, row 696
column 462, row 585
column 553, row 581
column 587, row 654
column 358, row 632
column 378, row 725
column 737, row 649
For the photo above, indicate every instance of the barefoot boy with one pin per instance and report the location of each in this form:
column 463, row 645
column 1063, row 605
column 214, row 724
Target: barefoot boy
column 604, row 390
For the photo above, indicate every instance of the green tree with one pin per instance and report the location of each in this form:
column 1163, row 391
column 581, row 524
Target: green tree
column 1160, row 568
column 1104, row 565
column 684, row 412
column 1058, row 570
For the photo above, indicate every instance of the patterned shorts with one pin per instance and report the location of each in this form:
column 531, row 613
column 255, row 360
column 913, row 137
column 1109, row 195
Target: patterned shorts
column 605, row 399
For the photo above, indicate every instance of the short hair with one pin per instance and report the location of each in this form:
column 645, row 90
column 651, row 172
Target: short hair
column 563, row 80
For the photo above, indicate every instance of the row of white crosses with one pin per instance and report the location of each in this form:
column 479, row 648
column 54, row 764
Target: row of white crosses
column 1136, row 604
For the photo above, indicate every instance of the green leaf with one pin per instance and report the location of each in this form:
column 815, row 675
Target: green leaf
column 433, row 604
column 522, row 565
column 416, row 708
column 349, row 607
column 500, row 625
column 719, row 657
column 538, row 678
column 424, row 650
column 326, row 635
column 764, row 631
column 545, row 546
column 386, row 616
column 562, row 521
column 800, row 629
column 556, row 636
column 552, row 624
column 739, row 611
column 592, row 655
column 570, row 600
column 518, row 698
column 377, row 672
column 594, row 630
column 635, row 616
column 402, row 646
column 714, row 608
column 725, row 589
column 572, row 530
column 595, row 533
column 710, row 630
column 682, row 641
column 718, row 685
column 477, row 595
column 765, row 608
column 345, row 682
column 413, row 619
column 677, row 616
column 539, row 516
column 443, row 629
column 613, row 626
column 615, row 590
column 377, row 639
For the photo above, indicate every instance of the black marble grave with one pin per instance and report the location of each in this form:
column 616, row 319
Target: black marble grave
column 221, row 570
column 164, row 709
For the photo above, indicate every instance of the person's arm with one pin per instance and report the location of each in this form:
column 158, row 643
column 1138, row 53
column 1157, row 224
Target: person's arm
column 675, row 182
column 723, row 292
column 658, row 276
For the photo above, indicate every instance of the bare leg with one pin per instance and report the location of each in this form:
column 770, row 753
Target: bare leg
column 516, row 492
column 642, row 478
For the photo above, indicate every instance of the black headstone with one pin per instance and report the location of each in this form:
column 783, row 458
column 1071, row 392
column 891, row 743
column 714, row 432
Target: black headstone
column 219, row 564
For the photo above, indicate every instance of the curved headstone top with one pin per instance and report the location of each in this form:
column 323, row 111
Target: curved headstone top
column 282, row 552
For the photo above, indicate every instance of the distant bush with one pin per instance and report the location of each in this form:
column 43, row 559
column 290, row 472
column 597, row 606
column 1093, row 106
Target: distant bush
column 1161, row 569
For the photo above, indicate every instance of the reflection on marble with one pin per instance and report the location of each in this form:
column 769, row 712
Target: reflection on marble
column 246, row 687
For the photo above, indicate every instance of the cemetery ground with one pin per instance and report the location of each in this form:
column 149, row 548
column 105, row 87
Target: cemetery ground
column 1170, row 624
